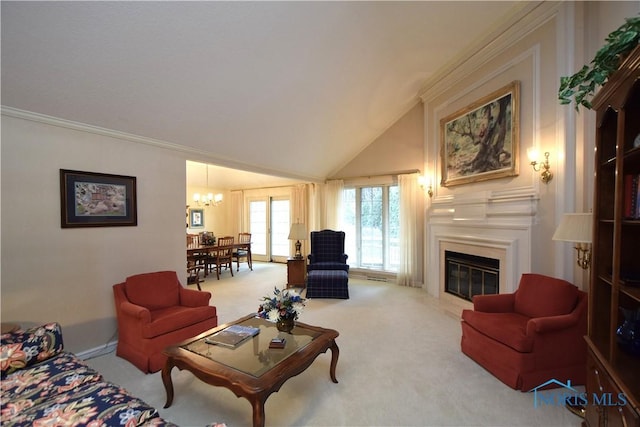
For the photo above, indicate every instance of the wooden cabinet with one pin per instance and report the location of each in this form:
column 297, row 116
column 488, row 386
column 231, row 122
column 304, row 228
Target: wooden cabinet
column 296, row 273
column 616, row 246
column 611, row 408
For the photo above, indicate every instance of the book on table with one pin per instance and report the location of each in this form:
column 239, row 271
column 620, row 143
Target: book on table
column 278, row 343
column 232, row 336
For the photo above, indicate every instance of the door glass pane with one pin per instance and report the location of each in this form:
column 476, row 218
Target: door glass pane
column 371, row 227
column 258, row 226
column 280, row 228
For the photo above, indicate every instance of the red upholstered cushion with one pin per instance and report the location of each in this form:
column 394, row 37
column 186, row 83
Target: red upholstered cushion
column 171, row 319
column 508, row 328
column 154, row 290
column 543, row 296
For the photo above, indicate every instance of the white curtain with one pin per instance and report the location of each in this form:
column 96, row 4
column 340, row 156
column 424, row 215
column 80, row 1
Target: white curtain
column 409, row 268
column 299, row 210
column 333, row 204
column 237, row 212
column 314, row 207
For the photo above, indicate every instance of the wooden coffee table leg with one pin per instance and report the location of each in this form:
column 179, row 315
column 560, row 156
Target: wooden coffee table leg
column 166, row 380
column 335, row 352
column 258, row 411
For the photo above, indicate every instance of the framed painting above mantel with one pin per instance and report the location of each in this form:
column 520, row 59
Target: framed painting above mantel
column 90, row 199
column 481, row 141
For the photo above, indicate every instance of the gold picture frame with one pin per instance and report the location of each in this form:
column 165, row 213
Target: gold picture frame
column 481, row 141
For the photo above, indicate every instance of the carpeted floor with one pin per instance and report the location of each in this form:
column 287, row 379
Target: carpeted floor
column 400, row 365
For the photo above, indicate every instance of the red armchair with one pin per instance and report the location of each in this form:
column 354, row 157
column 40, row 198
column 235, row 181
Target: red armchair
column 154, row 311
column 531, row 336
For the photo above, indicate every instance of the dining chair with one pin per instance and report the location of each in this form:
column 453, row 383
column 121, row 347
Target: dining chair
column 243, row 251
column 193, row 273
column 196, row 258
column 222, row 256
column 193, row 241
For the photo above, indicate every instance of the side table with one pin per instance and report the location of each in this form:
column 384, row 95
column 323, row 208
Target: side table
column 296, row 273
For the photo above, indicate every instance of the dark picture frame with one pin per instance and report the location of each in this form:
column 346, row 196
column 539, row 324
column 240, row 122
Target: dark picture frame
column 481, row 141
column 196, row 218
column 91, row 199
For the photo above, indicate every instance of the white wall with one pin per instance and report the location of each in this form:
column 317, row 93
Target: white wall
column 49, row 273
column 550, row 42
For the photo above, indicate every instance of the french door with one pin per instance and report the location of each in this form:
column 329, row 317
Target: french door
column 269, row 223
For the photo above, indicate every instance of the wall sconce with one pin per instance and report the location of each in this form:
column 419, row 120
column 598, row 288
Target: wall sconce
column 426, row 185
column 577, row 228
column 533, row 158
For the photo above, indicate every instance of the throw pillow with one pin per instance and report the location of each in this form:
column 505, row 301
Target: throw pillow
column 25, row 348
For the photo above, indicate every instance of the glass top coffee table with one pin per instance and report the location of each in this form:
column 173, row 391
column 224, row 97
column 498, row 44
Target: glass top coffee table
column 251, row 370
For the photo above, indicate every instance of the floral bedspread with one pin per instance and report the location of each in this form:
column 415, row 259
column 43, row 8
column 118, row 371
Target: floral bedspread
column 45, row 386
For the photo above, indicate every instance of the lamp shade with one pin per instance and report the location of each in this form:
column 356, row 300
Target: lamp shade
column 576, row 227
column 298, row 232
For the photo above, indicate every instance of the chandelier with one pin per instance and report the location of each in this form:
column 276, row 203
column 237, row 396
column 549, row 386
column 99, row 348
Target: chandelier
column 208, row 199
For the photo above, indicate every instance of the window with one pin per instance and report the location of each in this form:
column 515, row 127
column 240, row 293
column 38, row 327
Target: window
column 371, row 223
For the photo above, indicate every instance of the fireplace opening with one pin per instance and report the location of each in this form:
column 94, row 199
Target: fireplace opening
column 468, row 275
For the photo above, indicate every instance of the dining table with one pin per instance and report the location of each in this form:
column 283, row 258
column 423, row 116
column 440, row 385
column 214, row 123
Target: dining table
column 193, row 250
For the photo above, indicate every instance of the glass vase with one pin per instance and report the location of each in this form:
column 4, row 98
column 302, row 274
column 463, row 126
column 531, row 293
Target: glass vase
column 285, row 325
column 628, row 334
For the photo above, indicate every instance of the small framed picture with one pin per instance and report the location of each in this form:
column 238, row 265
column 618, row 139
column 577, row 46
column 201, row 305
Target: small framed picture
column 90, row 199
column 196, row 218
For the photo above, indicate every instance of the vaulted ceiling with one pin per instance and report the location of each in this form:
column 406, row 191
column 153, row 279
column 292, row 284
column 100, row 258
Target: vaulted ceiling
column 292, row 89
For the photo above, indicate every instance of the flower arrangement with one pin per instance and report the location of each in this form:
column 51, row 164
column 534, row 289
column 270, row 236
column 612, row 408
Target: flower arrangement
column 284, row 304
column 207, row 238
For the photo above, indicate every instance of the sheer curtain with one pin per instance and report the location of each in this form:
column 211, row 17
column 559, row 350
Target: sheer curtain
column 237, row 212
column 299, row 210
column 409, row 268
column 314, row 207
column 333, row 204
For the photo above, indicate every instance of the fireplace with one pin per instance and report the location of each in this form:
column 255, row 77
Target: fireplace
column 496, row 224
column 467, row 275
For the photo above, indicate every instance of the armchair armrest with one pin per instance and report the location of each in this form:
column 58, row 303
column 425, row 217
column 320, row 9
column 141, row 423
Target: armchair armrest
column 135, row 311
column 344, row 257
column 498, row 303
column 193, row 298
column 577, row 318
column 541, row 325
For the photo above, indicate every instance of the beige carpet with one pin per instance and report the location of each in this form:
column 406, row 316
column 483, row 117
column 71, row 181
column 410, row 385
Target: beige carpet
column 400, row 365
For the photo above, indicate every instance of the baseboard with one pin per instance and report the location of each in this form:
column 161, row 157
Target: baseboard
column 98, row 351
column 377, row 276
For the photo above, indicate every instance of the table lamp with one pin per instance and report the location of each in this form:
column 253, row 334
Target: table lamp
column 577, row 228
column 298, row 232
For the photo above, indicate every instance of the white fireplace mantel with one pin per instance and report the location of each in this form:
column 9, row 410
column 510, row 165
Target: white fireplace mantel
column 497, row 224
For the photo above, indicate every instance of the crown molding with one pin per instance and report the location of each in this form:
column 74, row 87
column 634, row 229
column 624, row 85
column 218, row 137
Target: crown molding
column 188, row 152
column 96, row 130
column 522, row 23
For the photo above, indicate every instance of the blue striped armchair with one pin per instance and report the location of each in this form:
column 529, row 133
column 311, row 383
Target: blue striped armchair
column 327, row 251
